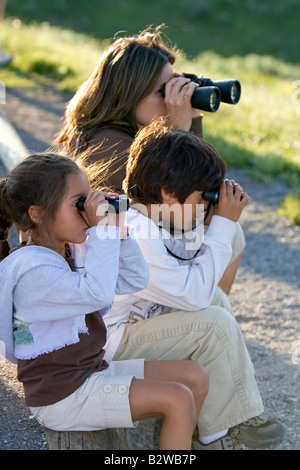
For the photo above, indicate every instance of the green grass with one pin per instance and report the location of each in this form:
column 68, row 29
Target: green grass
column 44, row 53
column 291, row 207
column 255, row 41
column 229, row 27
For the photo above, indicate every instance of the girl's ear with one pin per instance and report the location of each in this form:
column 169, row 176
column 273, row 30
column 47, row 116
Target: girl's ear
column 36, row 214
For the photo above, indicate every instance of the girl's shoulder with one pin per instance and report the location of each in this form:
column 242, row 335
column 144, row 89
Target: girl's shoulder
column 25, row 257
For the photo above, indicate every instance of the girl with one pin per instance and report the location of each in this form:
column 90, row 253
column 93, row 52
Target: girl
column 55, row 289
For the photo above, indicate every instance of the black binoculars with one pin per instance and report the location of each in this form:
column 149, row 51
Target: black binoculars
column 210, row 94
column 211, row 196
column 120, row 204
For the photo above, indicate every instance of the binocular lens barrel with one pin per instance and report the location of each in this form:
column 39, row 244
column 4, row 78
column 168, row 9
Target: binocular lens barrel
column 230, row 90
column 208, row 98
column 210, row 94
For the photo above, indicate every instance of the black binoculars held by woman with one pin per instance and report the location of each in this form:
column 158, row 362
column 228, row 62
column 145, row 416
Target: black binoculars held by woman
column 210, row 94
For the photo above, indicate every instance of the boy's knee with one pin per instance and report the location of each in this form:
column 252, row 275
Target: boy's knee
column 218, row 315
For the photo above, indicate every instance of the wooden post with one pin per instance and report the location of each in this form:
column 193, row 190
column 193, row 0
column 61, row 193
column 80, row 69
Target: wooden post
column 106, row 439
column 144, row 437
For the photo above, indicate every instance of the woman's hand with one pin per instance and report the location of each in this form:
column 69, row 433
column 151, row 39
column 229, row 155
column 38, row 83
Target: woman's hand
column 178, row 93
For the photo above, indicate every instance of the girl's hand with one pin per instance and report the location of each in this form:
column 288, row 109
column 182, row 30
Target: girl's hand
column 97, row 213
column 95, row 208
column 118, row 220
column 178, row 93
column 231, row 202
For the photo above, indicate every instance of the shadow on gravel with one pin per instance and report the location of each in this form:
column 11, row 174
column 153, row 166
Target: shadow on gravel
column 33, row 144
column 278, row 387
column 265, row 247
column 17, row 431
column 278, row 380
column 53, row 105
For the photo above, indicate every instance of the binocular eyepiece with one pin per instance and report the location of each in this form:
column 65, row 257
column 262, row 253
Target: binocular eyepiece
column 210, row 94
column 120, row 204
column 211, row 196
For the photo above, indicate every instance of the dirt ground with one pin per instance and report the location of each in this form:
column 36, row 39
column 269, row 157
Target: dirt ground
column 265, row 297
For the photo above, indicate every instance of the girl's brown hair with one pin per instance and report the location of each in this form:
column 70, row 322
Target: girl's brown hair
column 178, row 161
column 126, row 73
column 40, row 180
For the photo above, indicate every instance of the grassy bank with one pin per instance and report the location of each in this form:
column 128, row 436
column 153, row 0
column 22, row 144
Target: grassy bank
column 260, row 134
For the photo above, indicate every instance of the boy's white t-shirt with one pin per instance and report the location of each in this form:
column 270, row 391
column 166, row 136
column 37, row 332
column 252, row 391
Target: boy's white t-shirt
column 184, row 285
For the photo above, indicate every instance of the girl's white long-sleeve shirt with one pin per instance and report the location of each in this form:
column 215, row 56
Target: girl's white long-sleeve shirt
column 44, row 303
column 183, row 285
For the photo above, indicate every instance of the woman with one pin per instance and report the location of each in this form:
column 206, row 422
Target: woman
column 122, row 95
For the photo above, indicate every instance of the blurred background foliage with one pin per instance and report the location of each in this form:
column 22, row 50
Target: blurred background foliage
column 227, row 27
column 255, row 41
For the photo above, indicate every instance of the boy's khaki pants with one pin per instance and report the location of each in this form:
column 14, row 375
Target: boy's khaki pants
column 213, row 338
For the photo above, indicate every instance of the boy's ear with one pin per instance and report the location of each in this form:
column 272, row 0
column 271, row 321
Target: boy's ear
column 165, row 196
column 36, row 214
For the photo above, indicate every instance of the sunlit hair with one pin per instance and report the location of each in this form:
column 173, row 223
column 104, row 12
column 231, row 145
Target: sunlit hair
column 126, row 73
column 41, row 180
column 178, row 161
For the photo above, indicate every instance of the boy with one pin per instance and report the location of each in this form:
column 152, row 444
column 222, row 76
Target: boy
column 167, row 173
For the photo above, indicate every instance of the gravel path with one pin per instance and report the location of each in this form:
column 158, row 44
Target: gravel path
column 265, row 296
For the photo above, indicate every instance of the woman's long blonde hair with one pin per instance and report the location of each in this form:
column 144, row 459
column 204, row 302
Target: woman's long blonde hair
column 125, row 74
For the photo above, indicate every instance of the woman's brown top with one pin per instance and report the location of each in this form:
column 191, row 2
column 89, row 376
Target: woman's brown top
column 113, row 144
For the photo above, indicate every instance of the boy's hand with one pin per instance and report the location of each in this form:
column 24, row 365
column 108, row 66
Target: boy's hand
column 231, row 201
